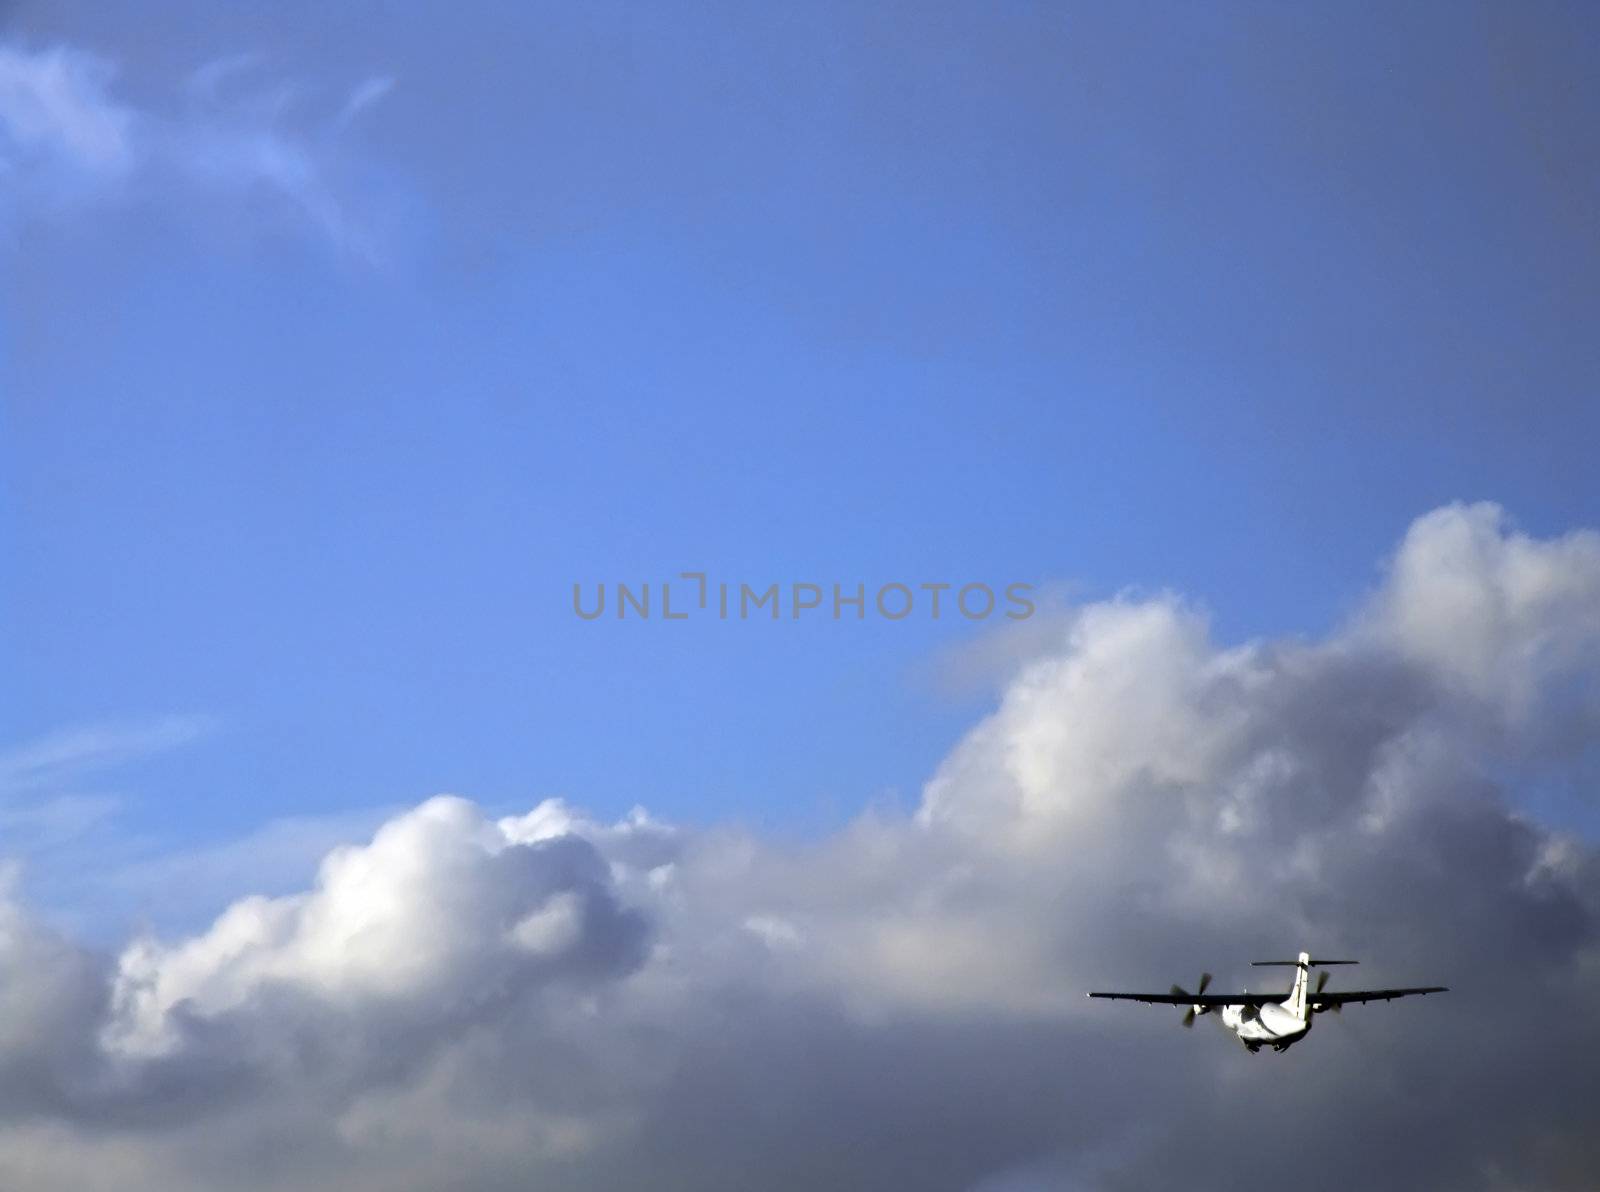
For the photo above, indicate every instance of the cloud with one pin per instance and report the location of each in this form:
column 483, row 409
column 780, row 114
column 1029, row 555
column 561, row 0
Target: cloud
column 229, row 138
column 68, row 756
column 549, row 1000
column 48, row 819
column 365, row 96
column 1489, row 610
column 442, row 913
column 182, row 886
column 55, row 107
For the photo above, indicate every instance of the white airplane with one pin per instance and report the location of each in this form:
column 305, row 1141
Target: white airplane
column 1270, row 1018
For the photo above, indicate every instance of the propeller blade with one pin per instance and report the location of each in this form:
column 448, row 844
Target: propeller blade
column 1180, row 991
column 1322, row 980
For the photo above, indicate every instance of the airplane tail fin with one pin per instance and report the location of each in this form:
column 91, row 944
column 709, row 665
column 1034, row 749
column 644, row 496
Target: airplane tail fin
column 1297, row 1000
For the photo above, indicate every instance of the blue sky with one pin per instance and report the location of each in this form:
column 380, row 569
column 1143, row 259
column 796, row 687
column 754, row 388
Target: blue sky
column 309, row 447
column 338, row 342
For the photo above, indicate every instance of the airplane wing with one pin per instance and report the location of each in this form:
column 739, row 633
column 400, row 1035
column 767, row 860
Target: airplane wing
column 1202, row 999
column 1344, row 998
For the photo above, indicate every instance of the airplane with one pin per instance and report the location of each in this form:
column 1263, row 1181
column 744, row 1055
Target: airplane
column 1270, row 1018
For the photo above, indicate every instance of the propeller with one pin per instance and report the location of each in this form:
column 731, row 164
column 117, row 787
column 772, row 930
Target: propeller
column 1322, row 983
column 1179, row 991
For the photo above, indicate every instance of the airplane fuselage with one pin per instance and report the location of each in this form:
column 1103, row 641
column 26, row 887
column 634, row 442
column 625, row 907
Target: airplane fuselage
column 1276, row 1025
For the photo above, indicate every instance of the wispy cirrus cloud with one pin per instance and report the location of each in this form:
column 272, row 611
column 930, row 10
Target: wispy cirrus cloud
column 63, row 802
column 231, row 133
column 67, row 756
column 56, row 108
column 61, row 796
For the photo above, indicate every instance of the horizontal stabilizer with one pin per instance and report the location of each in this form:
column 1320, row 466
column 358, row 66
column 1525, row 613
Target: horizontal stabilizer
column 1296, row 963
